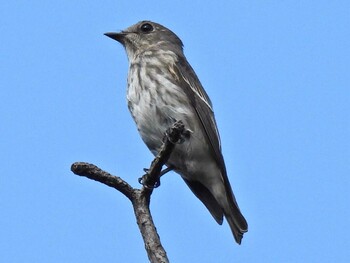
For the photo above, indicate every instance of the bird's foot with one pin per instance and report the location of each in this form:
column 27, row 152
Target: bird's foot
column 157, row 184
column 143, row 180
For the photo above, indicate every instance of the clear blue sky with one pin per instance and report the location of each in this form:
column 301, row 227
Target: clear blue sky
column 278, row 75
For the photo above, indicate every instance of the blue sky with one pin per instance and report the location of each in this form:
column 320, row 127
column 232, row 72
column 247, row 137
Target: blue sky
column 277, row 73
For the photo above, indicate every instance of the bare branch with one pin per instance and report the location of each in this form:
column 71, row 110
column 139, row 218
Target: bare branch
column 93, row 172
column 140, row 198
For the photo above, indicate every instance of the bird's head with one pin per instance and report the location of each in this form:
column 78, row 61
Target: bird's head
column 147, row 36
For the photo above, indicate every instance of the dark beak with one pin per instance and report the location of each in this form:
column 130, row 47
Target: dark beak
column 116, row 36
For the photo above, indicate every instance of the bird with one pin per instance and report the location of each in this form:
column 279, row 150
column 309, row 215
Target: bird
column 162, row 88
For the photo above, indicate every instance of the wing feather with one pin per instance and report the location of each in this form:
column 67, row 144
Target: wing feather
column 201, row 103
column 203, row 107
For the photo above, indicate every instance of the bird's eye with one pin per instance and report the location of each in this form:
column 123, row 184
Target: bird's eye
column 146, row 28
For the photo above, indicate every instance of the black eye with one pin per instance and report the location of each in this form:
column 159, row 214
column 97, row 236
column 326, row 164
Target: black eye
column 146, row 27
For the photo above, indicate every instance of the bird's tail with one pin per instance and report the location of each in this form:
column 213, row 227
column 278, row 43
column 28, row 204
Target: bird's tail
column 238, row 224
column 235, row 219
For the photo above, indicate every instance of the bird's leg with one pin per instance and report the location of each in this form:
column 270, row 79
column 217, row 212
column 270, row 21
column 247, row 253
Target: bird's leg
column 166, row 170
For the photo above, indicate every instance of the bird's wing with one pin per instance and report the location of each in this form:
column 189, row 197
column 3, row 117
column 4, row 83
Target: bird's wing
column 189, row 81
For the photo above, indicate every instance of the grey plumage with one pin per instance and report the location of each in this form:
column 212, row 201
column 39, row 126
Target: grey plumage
column 163, row 88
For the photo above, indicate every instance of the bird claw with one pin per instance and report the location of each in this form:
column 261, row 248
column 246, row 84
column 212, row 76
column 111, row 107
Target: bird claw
column 142, row 180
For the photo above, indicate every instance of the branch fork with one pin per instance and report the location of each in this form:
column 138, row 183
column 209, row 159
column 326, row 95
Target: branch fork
column 140, row 198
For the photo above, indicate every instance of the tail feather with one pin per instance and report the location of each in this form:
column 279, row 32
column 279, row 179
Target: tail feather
column 221, row 203
column 233, row 215
column 237, row 223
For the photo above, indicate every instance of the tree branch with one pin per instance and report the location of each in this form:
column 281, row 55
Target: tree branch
column 140, row 198
column 93, row 172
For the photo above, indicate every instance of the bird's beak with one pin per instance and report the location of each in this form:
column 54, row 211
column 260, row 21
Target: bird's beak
column 116, row 36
